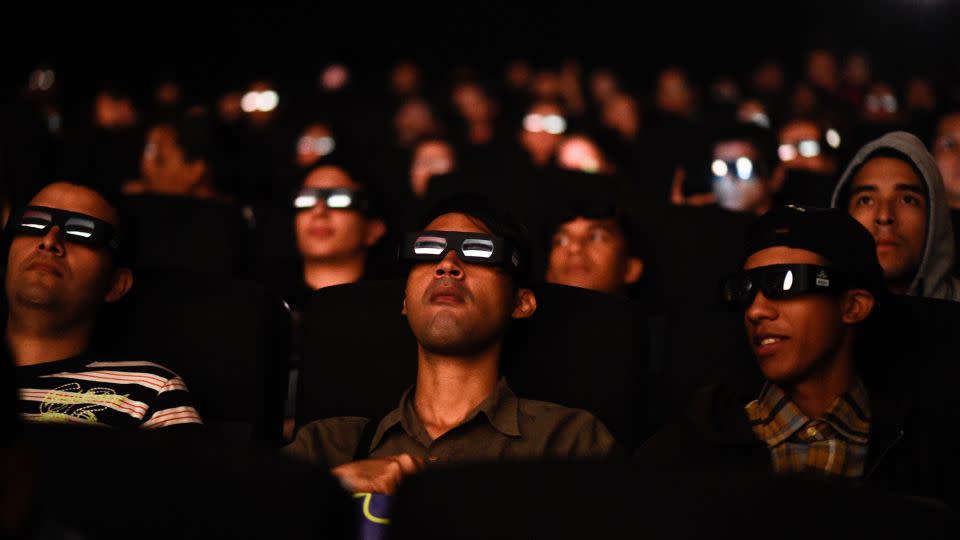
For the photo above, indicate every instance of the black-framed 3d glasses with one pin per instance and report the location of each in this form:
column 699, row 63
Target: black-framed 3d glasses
column 779, row 282
column 74, row 226
column 336, row 198
column 474, row 248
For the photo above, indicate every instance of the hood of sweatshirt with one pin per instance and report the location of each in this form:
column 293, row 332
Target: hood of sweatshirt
column 933, row 278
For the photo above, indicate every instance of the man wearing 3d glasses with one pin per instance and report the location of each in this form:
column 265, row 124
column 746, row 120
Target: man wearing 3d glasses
column 466, row 281
column 829, row 408
column 333, row 227
column 64, row 262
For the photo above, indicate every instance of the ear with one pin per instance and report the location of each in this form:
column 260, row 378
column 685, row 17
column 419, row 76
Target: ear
column 634, row 270
column 524, row 304
column 403, row 309
column 857, row 305
column 375, row 230
column 197, row 169
column 122, row 282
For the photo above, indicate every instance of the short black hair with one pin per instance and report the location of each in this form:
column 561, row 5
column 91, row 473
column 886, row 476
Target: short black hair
column 124, row 226
column 500, row 222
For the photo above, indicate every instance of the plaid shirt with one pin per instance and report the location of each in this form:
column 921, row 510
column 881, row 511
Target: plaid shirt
column 835, row 444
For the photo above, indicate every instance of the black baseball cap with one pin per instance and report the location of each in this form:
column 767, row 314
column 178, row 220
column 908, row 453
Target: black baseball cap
column 830, row 232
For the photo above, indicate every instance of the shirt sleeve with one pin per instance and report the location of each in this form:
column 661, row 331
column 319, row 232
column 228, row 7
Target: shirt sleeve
column 172, row 406
column 327, row 443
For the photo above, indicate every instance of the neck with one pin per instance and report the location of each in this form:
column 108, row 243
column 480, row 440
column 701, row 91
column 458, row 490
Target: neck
column 450, row 387
column 32, row 338
column 817, row 392
column 953, row 201
column 320, row 274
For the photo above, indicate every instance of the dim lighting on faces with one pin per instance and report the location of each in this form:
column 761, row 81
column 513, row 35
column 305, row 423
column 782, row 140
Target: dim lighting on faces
column 761, row 119
column 321, row 146
column 553, row 124
column 881, row 102
column 42, row 79
column 265, row 101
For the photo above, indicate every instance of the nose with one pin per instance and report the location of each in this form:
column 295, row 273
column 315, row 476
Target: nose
column 450, row 266
column 885, row 214
column 761, row 309
column 52, row 241
column 319, row 209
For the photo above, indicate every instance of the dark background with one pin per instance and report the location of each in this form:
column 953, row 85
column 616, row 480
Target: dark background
column 213, row 46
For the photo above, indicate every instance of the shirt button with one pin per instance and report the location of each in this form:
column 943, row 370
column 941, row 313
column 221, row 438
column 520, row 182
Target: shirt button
column 812, row 431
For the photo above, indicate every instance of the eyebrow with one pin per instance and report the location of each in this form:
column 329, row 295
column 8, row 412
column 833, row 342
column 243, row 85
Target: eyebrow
column 898, row 187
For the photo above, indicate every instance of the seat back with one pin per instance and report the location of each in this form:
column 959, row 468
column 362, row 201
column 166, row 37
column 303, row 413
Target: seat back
column 229, row 340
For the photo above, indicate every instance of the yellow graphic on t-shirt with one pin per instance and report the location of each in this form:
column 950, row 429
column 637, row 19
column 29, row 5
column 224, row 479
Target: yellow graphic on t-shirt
column 70, row 402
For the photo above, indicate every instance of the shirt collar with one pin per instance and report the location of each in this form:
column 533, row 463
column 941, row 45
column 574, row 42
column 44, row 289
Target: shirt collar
column 501, row 409
column 774, row 418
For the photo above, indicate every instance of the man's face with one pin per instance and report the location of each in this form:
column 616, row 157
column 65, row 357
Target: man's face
column 792, row 134
column 592, row 254
column 792, row 338
column 454, row 307
column 62, row 277
column 888, row 198
column 673, row 93
column 164, row 165
column 733, row 192
column 541, row 144
column 333, row 234
column 429, row 159
column 946, row 150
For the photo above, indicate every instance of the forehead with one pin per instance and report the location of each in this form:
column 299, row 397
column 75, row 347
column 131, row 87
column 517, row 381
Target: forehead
column 733, row 149
column 316, row 130
column 458, row 222
column 582, row 224
column 949, row 123
column 75, row 198
column 545, row 109
column 799, row 130
column 434, row 147
column 329, row 177
column 886, row 170
column 783, row 255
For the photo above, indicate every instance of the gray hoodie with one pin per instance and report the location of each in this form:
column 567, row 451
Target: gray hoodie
column 934, row 278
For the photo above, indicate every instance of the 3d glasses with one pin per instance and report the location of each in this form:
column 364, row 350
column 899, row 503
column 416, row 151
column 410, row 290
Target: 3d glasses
column 337, row 199
column 779, row 282
column 473, row 248
column 742, row 168
column 74, row 226
column 553, row 124
column 790, row 151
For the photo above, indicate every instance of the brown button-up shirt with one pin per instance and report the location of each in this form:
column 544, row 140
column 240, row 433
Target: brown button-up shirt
column 502, row 428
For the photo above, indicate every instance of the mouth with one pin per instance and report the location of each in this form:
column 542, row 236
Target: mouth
column 321, row 232
column 768, row 344
column 46, row 268
column 447, row 297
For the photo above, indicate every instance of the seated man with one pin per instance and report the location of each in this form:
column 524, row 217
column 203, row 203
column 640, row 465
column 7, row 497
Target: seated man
column 740, row 173
column 465, row 284
column 740, row 169
column 810, row 286
column 334, row 228
column 594, row 250
column 893, row 188
column 63, row 264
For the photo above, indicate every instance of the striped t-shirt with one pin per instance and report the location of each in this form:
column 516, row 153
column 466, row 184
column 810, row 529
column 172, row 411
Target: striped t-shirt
column 80, row 390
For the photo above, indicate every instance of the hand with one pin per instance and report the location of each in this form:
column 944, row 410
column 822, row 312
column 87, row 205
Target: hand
column 378, row 475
